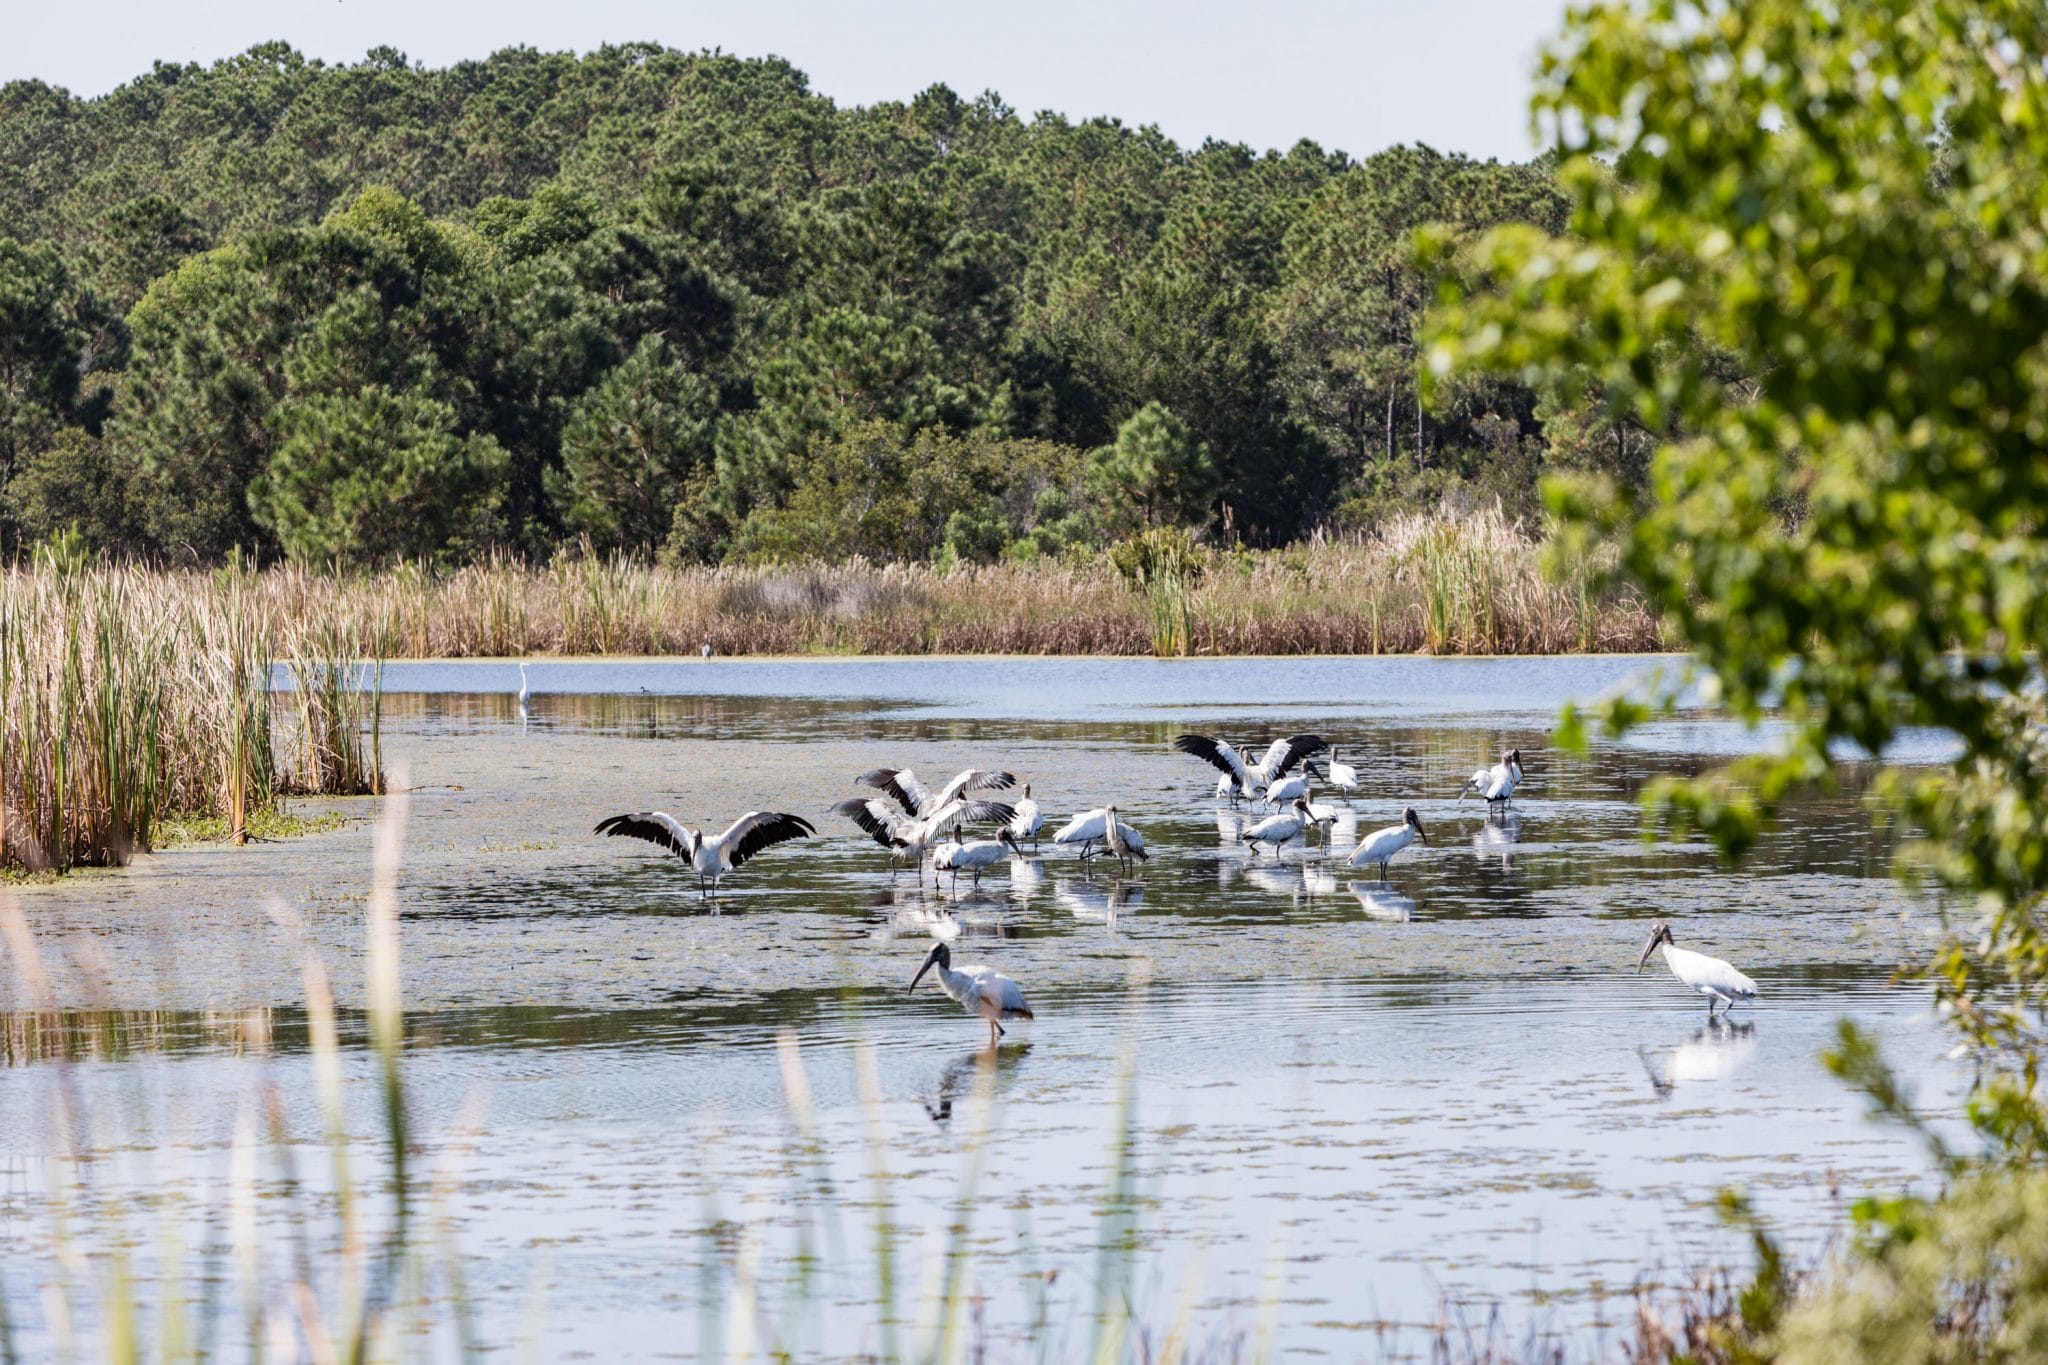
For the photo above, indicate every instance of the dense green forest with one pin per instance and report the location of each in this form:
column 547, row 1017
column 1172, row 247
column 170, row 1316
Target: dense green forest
column 680, row 305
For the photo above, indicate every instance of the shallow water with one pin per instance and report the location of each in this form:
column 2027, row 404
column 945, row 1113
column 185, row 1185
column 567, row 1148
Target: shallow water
column 1352, row 1098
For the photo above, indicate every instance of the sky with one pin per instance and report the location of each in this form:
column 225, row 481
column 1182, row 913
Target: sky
column 1354, row 75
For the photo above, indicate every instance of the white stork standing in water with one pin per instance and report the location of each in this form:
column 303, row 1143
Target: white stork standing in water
column 1710, row 976
column 1028, row 820
column 1381, row 845
column 717, row 855
column 1278, row 830
column 1247, row 778
column 1091, row 827
column 981, row 991
column 1496, row 784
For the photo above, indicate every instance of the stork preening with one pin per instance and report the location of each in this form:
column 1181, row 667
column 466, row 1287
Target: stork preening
column 1102, row 826
column 975, row 856
column 1381, row 845
column 1246, row 779
column 1028, row 819
column 714, row 856
column 1710, row 976
column 981, row 990
column 1496, row 784
column 1343, row 776
column 1276, row 830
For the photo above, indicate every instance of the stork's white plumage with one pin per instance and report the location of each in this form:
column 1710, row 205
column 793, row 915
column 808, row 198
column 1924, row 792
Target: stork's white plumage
column 1092, row 827
column 1710, row 976
column 1246, row 778
column 1381, row 845
column 982, row 991
column 1277, row 830
column 919, row 800
column 1028, row 820
column 713, row 856
column 1497, row 783
column 1343, row 776
column 1287, row 789
column 912, row 835
column 975, row 856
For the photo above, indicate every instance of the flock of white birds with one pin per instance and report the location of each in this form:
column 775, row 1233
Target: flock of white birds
column 918, row 825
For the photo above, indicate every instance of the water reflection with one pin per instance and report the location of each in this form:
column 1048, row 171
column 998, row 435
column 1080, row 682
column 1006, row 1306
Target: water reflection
column 1381, row 901
column 1497, row 836
column 1088, row 900
column 995, row 1068
column 1712, row 1055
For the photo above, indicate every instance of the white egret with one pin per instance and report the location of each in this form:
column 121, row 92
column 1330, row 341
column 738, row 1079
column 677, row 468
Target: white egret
column 1381, row 845
column 1710, row 976
column 717, row 855
column 1496, row 784
column 1092, row 826
column 1281, row 755
column 1277, row 830
column 981, row 990
column 1343, row 776
column 524, row 690
column 1028, row 820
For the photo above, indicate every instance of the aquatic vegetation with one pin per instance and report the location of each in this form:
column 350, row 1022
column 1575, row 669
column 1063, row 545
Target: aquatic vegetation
column 128, row 698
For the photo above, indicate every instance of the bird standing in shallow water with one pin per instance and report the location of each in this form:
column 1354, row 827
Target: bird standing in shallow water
column 717, row 855
column 981, row 991
column 1496, row 784
column 1710, row 976
column 524, row 690
column 1381, row 845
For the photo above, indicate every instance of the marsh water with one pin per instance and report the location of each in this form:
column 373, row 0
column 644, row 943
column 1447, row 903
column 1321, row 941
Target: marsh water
column 1261, row 1094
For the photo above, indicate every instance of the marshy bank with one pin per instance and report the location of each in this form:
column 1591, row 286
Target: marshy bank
column 1438, row 584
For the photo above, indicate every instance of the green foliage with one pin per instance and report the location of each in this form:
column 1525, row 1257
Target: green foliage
column 375, row 477
column 1156, row 470
column 1807, row 256
column 629, row 448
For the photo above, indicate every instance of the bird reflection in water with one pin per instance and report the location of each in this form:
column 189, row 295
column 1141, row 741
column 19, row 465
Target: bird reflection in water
column 1497, row 835
column 1088, row 900
column 1715, row 1053
column 983, row 1070
column 1381, row 901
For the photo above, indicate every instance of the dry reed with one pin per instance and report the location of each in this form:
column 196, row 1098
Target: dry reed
column 1425, row 583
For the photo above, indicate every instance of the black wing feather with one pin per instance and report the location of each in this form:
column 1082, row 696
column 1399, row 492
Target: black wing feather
column 775, row 828
column 884, row 779
column 1298, row 748
column 651, row 825
column 1208, row 749
column 877, row 828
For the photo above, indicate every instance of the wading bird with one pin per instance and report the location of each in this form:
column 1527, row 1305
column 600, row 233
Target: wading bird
column 912, row 835
column 1710, row 976
column 1277, row 830
column 711, row 857
column 1381, row 845
column 1091, row 827
column 1247, row 778
column 524, row 691
column 1343, row 776
column 976, row 856
column 981, row 991
column 919, row 800
column 1496, row 784
column 1028, row 820
column 1287, row 789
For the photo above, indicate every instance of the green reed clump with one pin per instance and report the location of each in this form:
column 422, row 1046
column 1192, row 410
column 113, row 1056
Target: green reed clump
column 338, row 719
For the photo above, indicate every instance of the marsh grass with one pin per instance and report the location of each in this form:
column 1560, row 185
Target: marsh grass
column 130, row 698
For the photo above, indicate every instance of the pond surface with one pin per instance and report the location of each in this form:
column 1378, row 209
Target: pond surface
column 1348, row 1101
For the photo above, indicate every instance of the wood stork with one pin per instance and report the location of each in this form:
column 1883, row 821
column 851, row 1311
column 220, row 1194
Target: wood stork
column 1710, row 976
column 1381, row 845
column 1281, row 755
column 914, row 836
column 919, row 800
column 1285, row 790
column 975, row 856
column 981, row 990
column 704, row 650
column 1028, row 820
column 715, row 856
column 1496, row 784
column 1093, row 826
column 1277, row 830
column 524, row 690
column 1343, row 776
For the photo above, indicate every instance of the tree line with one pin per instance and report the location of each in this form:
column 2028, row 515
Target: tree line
column 677, row 304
